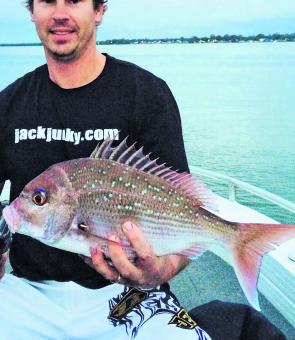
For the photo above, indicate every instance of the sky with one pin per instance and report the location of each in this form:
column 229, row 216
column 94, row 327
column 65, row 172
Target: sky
column 167, row 18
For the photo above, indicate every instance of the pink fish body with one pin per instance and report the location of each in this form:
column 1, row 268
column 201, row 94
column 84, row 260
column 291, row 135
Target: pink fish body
column 78, row 204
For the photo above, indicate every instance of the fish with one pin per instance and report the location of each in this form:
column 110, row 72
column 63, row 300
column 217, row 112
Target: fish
column 78, row 204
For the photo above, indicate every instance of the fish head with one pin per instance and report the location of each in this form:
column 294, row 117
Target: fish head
column 45, row 208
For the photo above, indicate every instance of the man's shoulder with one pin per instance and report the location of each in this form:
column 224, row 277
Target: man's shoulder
column 21, row 83
column 135, row 71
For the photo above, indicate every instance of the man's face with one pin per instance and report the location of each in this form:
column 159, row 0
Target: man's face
column 66, row 28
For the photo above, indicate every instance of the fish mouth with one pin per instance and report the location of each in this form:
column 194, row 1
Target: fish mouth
column 12, row 218
column 16, row 224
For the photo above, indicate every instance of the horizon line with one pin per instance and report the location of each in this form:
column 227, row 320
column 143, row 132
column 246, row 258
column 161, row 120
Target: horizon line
column 211, row 36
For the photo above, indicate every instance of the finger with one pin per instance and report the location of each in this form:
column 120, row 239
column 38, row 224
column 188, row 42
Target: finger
column 102, row 267
column 148, row 264
column 121, row 262
column 3, row 258
column 139, row 242
column 87, row 260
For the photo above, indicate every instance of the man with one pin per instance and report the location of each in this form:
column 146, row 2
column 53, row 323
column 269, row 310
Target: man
column 58, row 112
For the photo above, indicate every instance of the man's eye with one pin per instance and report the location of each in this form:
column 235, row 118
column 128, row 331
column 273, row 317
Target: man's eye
column 52, row 1
column 48, row 1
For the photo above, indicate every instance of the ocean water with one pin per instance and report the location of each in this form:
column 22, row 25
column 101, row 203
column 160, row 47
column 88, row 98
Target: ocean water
column 236, row 101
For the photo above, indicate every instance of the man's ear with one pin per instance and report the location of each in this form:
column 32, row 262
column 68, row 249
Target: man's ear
column 31, row 11
column 99, row 12
column 32, row 15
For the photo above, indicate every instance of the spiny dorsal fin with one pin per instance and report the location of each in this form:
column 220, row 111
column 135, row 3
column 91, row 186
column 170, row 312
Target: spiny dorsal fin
column 138, row 160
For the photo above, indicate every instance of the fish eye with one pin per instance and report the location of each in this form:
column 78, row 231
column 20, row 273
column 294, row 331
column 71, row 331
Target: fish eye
column 40, row 197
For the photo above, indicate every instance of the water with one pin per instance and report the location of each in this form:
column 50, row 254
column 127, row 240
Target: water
column 236, row 101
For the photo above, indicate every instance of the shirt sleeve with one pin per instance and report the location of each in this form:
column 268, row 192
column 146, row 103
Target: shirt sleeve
column 158, row 125
column 225, row 320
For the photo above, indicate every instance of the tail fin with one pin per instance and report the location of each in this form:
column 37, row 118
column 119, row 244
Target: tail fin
column 251, row 243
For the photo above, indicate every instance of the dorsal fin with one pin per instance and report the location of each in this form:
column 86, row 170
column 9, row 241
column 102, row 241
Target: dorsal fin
column 138, row 160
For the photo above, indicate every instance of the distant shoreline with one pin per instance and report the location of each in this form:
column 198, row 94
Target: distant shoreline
column 227, row 38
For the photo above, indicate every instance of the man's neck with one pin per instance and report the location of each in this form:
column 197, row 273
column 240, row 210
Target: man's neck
column 78, row 72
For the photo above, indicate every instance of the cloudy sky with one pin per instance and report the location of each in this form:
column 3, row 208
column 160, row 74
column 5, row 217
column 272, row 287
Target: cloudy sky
column 168, row 18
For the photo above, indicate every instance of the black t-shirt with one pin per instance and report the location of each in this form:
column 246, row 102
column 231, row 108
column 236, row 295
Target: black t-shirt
column 42, row 124
column 234, row 321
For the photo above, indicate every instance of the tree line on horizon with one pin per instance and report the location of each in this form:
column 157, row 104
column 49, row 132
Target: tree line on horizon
column 227, row 38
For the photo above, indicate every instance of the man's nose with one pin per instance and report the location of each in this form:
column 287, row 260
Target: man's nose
column 61, row 11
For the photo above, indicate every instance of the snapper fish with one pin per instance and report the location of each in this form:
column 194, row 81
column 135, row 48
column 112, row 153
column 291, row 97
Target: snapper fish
column 79, row 203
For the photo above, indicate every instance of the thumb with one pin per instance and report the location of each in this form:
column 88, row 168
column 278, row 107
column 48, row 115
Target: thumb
column 3, row 259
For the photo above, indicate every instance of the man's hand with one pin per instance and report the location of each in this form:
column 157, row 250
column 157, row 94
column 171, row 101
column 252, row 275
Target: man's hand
column 5, row 240
column 147, row 271
column 3, row 258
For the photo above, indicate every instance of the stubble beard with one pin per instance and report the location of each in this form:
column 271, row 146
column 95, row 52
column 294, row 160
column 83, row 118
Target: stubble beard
column 72, row 54
column 64, row 57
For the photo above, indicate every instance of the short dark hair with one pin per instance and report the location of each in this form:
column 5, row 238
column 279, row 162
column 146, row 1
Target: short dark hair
column 96, row 4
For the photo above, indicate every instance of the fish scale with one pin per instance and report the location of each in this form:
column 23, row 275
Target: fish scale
column 133, row 194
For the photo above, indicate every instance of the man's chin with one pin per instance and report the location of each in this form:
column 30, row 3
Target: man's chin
column 63, row 56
